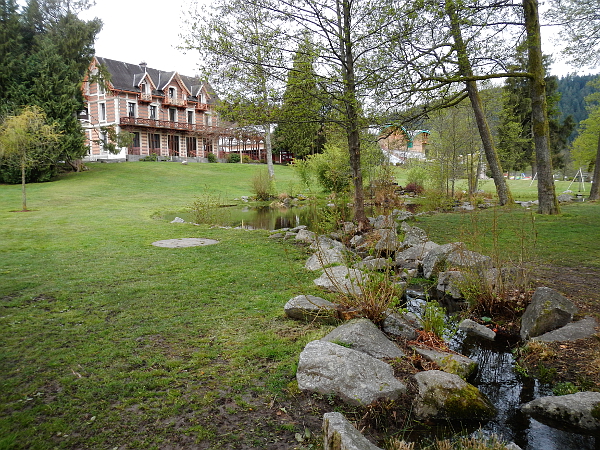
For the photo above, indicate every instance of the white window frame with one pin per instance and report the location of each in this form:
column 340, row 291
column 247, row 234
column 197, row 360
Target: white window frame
column 187, row 118
column 155, row 112
column 129, row 105
column 102, row 112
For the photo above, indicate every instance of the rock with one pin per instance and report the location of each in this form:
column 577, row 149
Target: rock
column 375, row 264
column 290, row 235
column 384, row 222
column 276, row 236
column 342, row 279
column 564, row 198
column 547, row 311
column 349, row 228
column 476, row 329
column 435, row 260
column 415, row 253
column 339, row 434
column 305, row 236
column 449, row 362
column 311, row 308
column 401, row 215
column 443, row 395
column 177, row 220
column 400, row 325
column 324, row 242
column 464, row 259
column 449, row 283
column 573, row 331
column 357, row 241
column 325, row 257
column 413, row 236
column 364, row 336
column 298, row 228
column 353, row 376
column 388, row 241
column 578, row 412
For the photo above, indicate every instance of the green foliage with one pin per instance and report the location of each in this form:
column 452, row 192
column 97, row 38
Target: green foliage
column 417, row 173
column 151, row 157
column 434, row 319
column 233, row 158
column 331, row 168
column 262, row 185
column 115, row 140
column 211, row 157
column 585, row 146
column 565, row 388
column 206, row 209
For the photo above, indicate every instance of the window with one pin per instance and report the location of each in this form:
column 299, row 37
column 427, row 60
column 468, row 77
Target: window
column 206, row 120
column 136, row 139
column 153, row 112
column 172, row 92
column 172, row 114
column 102, row 111
column 131, row 109
column 101, row 89
column 155, row 143
column 103, row 140
column 190, row 117
column 191, row 146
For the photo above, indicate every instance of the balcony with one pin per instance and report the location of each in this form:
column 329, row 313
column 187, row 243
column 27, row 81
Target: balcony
column 167, row 124
column 201, row 106
column 145, row 98
column 174, row 102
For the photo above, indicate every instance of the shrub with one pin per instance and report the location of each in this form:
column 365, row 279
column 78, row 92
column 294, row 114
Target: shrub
column 151, row 157
column 206, row 209
column 233, row 158
column 212, row 158
column 414, row 188
column 246, row 159
column 262, row 185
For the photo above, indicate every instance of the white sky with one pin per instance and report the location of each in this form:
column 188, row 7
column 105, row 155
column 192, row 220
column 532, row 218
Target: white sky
column 137, row 30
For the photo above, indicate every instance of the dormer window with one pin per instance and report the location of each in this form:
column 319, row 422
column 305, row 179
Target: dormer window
column 172, row 93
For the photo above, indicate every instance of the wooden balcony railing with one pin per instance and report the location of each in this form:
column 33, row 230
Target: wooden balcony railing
column 145, row 97
column 174, row 101
column 167, row 124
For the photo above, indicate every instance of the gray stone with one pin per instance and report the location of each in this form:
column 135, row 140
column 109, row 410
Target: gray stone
column 573, row 331
column 357, row 241
column 364, row 336
column 415, row 253
column 276, row 236
column 349, row 228
column 177, row 220
column 449, row 283
column 564, row 198
column 305, row 236
column 449, row 362
column 324, row 242
column 342, row 279
column 184, row 242
column 298, row 228
column 353, row 376
column 384, row 222
column 476, row 329
column 547, row 311
column 400, row 325
column 290, row 235
column 574, row 412
column 443, row 395
column 339, row 434
column 435, row 260
column 311, row 308
column 375, row 264
column 413, row 236
column 401, row 215
column 325, row 257
column 388, row 241
column 475, row 262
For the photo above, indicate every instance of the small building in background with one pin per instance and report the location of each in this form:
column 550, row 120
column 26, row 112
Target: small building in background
column 401, row 145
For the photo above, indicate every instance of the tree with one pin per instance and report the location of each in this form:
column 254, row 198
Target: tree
column 30, row 140
column 240, row 48
column 300, row 128
column 586, row 147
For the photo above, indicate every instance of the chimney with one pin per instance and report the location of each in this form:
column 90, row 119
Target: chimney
column 143, row 65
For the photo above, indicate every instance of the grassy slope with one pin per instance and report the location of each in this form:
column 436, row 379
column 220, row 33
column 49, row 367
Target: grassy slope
column 97, row 323
column 107, row 341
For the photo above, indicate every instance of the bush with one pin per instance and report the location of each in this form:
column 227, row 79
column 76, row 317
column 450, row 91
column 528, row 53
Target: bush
column 212, row 158
column 246, row 159
column 262, row 185
column 152, row 157
column 414, row 188
column 233, row 158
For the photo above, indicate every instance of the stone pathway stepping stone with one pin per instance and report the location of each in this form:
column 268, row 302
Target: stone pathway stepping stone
column 184, row 242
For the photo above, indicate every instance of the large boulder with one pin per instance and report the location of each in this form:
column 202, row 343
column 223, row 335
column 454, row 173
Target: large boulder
column 325, row 257
column 415, row 253
column 339, row 434
column 342, row 279
column 388, row 241
column 364, row 336
column 305, row 236
column 311, row 309
column 476, row 329
column 383, row 222
column 573, row 331
column 375, row 264
column 325, row 242
column 403, row 325
column 547, row 311
column 449, row 284
column 413, row 235
column 578, row 412
column 436, row 259
column 473, row 262
column 448, row 362
column 355, row 377
column 446, row 396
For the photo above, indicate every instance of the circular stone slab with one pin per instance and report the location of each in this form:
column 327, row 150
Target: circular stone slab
column 185, row 242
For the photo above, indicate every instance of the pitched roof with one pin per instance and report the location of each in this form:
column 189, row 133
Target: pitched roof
column 127, row 77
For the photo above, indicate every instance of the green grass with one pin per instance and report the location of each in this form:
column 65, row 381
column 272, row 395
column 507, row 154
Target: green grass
column 107, row 340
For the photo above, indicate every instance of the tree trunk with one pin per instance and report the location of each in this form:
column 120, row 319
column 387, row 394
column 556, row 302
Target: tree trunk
column 548, row 203
column 24, row 195
column 269, row 151
column 465, row 69
column 352, row 113
column 595, row 190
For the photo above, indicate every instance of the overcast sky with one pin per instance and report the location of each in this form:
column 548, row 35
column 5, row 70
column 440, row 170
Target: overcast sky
column 136, row 31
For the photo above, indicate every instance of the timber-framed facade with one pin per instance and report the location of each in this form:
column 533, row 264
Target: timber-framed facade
column 170, row 115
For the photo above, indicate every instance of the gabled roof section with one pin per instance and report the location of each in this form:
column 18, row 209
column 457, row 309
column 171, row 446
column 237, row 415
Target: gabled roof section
column 128, row 77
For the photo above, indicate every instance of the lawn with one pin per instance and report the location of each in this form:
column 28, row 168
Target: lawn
column 109, row 342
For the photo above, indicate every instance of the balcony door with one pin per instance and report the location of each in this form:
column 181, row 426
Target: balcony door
column 173, row 144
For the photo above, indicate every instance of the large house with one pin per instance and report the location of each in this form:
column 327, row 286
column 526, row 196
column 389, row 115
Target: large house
column 170, row 115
